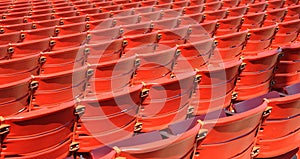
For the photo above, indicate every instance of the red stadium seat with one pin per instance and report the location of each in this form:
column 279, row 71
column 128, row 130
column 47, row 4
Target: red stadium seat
column 12, row 21
column 172, row 13
column 275, row 16
column 136, row 44
column 262, row 62
column 16, row 27
column 229, row 47
column 151, row 16
column 101, row 24
column 67, row 41
column 10, row 38
column 113, row 75
column 288, row 67
column 72, row 20
column 162, row 6
column 167, row 101
column 253, row 20
column 293, row 13
column 142, row 10
column 230, row 3
column 229, row 25
column 213, row 6
column 102, row 35
column 191, row 19
column 237, row 11
column 149, row 3
column 203, row 31
column 47, row 128
column 46, row 23
column 162, row 61
column 194, row 9
column 66, row 14
column 233, row 130
column 173, row 37
column 98, row 16
column 275, row 4
column 89, row 11
column 37, row 34
column 196, row 2
column 215, row 15
column 16, row 96
column 166, row 23
column 260, row 39
column 180, row 4
column 215, row 90
column 108, row 110
column 57, row 88
column 135, row 29
column 105, row 51
column 291, row 52
column 126, row 20
column 257, row 7
column 62, row 60
column 71, row 29
column 111, row 8
column 194, row 55
column 287, row 33
column 179, row 142
column 28, row 48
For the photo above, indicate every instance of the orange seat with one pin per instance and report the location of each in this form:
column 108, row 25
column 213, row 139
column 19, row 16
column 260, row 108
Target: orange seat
column 28, row 48
column 126, row 20
column 37, row 34
column 194, row 55
column 275, row 16
column 142, row 10
column 57, row 88
column 287, row 33
column 229, row 47
column 62, row 60
column 291, row 52
column 117, row 110
column 67, row 41
column 103, row 35
column 230, row 3
column 229, row 25
column 16, row 96
column 275, row 4
column 72, row 20
column 98, row 16
column 10, row 38
column 143, row 43
column 258, row 67
column 105, row 51
column 135, row 29
column 260, row 39
column 16, row 27
column 173, row 13
column 179, row 141
column 169, row 23
column 203, row 31
column 151, row 16
column 213, row 6
column 12, row 21
column 101, row 24
column 236, row 130
column 253, row 20
column 196, row 2
column 39, row 130
column 167, row 102
column 293, row 13
column 238, row 11
column 113, row 75
column 215, row 90
column 162, row 61
column 215, row 15
column 194, row 9
column 46, row 23
column 257, row 7
column 192, row 19
column 162, row 6
column 173, row 37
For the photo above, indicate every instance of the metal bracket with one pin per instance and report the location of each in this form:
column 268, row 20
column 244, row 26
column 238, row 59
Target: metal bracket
column 79, row 110
column 138, row 126
column 74, row 146
column 255, row 151
column 4, row 129
column 144, row 93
